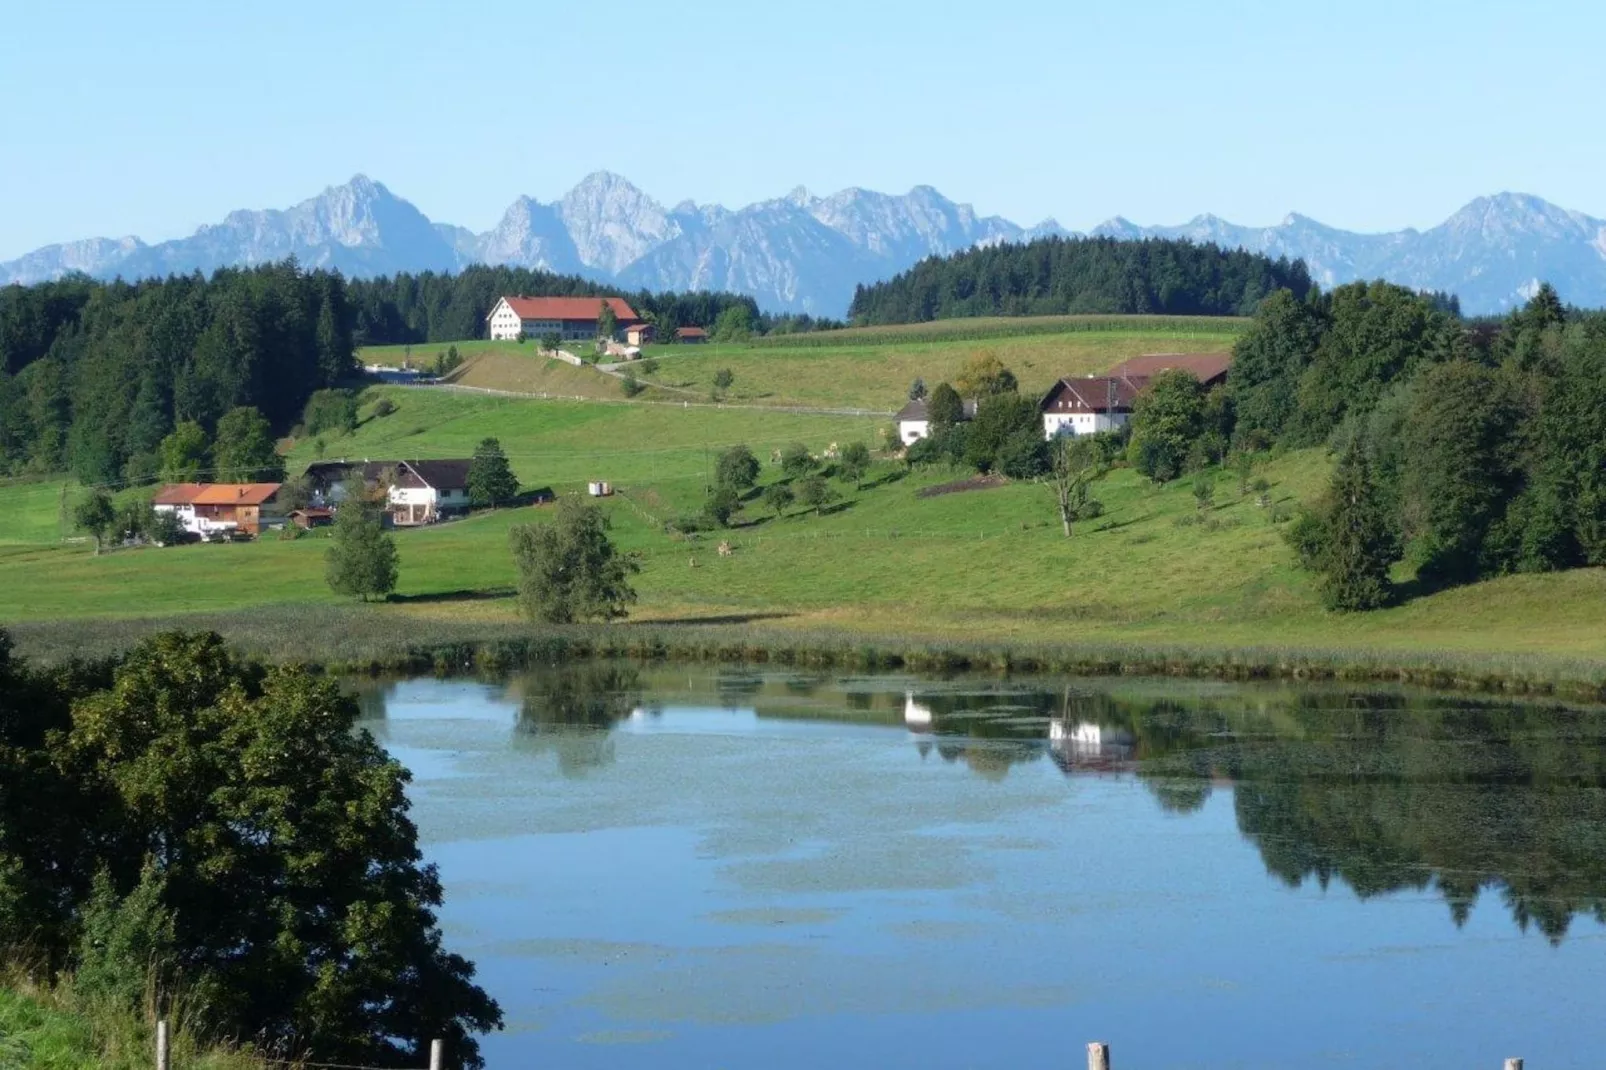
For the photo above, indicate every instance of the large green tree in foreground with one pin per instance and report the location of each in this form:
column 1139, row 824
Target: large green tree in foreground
column 229, row 829
column 570, row 570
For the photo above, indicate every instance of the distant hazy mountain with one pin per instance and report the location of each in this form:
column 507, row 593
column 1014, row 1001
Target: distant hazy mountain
column 1493, row 253
column 806, row 254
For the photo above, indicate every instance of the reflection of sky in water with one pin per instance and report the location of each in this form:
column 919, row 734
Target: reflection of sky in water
column 705, row 886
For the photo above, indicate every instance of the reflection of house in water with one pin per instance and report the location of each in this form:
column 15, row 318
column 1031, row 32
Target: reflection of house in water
column 1088, row 746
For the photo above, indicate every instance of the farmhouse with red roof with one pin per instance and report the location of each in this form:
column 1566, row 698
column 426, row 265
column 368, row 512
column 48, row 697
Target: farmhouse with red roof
column 573, row 319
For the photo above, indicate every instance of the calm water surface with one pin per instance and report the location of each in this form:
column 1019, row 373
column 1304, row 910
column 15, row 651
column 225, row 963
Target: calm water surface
column 693, row 868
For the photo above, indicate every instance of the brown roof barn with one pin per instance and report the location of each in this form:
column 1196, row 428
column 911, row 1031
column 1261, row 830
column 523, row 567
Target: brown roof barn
column 1208, row 368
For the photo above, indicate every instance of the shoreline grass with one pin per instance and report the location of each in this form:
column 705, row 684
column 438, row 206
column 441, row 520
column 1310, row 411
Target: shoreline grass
column 373, row 640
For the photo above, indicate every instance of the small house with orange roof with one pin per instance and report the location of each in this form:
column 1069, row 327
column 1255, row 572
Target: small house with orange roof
column 221, row 509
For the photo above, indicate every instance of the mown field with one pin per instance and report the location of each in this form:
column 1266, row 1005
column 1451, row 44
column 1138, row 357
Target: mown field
column 868, row 368
column 977, row 565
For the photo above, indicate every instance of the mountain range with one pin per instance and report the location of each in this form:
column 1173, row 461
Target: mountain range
column 802, row 253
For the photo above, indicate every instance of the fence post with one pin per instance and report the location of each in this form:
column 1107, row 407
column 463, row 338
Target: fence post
column 161, row 1045
column 437, row 1054
column 1513, row 1064
column 1098, row 1056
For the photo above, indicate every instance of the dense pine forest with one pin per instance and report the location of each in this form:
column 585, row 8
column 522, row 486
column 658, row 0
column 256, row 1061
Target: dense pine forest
column 1058, row 276
column 93, row 376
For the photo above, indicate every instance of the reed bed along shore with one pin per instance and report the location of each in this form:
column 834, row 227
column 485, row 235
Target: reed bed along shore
column 354, row 639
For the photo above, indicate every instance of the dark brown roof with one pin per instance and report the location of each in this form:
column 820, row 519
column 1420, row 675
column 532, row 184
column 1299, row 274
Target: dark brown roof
column 1208, row 368
column 1093, row 394
column 916, row 410
column 442, row 475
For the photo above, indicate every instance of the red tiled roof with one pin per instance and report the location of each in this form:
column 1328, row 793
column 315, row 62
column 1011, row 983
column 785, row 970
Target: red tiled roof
column 1206, row 367
column 178, row 494
column 235, row 493
column 571, row 308
column 690, row 332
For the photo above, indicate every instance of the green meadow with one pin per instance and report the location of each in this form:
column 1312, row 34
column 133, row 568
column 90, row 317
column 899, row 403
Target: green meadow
column 889, row 559
column 861, row 368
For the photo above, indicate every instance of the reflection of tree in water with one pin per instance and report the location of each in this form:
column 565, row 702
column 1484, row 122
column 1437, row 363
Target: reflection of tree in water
column 1384, row 791
column 1388, row 794
column 989, row 732
column 571, row 710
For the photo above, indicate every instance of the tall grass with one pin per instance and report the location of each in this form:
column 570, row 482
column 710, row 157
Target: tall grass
column 59, row 1027
column 354, row 639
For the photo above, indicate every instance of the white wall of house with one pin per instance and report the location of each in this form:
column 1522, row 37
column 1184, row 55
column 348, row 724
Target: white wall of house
column 912, row 431
column 1082, row 423
column 505, row 323
column 186, row 517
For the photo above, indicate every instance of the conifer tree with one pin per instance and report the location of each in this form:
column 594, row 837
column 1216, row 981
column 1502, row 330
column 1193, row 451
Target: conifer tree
column 1360, row 545
column 490, row 478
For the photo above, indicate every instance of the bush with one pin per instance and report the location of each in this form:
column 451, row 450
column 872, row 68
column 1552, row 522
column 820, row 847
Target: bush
column 722, row 504
column 330, row 411
column 630, row 386
column 1024, row 455
column 384, row 407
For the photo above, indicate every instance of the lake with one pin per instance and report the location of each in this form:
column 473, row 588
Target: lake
column 692, row 867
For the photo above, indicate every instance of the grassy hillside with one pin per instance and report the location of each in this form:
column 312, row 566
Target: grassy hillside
column 886, row 560
column 974, row 328
column 868, row 368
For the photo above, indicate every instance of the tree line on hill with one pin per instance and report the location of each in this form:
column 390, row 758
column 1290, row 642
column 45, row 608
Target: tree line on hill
column 1063, row 276
column 1465, row 451
column 94, row 376
column 431, row 307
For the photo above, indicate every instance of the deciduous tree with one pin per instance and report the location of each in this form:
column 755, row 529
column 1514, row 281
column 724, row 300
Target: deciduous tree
column 183, row 453
column 362, row 558
column 1076, row 462
column 737, row 468
column 854, row 463
column 243, row 450
column 1166, row 419
column 778, row 496
column 570, row 570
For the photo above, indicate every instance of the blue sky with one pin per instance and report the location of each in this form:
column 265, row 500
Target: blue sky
column 154, row 118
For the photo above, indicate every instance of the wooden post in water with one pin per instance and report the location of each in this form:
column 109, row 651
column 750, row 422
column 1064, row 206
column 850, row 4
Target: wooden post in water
column 437, row 1055
column 1513, row 1064
column 1098, row 1056
column 161, row 1045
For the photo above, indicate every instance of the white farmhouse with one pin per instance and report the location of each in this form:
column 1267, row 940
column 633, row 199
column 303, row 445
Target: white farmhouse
column 416, row 492
column 572, row 319
column 1088, row 406
column 914, row 420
